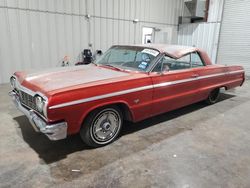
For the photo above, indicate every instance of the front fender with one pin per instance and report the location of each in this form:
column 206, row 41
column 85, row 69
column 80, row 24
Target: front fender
column 106, row 103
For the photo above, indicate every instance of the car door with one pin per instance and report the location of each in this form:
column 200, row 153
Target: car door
column 175, row 84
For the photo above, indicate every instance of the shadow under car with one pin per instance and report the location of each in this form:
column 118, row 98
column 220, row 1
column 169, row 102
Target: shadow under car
column 52, row 151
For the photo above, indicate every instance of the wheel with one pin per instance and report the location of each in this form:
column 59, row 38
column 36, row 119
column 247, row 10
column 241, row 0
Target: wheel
column 102, row 126
column 213, row 96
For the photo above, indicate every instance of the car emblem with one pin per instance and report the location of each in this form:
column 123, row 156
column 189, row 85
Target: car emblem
column 137, row 101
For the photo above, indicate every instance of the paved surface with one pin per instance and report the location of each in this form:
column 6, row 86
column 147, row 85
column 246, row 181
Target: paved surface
column 196, row 146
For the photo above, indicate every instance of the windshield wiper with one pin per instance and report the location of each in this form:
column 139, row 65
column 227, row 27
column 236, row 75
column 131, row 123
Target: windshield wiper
column 112, row 66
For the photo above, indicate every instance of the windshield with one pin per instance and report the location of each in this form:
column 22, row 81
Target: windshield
column 128, row 58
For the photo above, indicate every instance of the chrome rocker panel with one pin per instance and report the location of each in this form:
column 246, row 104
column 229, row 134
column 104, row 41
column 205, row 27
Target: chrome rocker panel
column 55, row 131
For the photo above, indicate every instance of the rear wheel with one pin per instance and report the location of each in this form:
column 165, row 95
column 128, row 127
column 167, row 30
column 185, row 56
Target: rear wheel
column 213, row 96
column 102, row 126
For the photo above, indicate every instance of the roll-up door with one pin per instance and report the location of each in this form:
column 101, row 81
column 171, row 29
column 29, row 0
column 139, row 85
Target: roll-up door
column 234, row 42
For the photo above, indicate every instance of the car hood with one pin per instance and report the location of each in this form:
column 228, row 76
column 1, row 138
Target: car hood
column 67, row 77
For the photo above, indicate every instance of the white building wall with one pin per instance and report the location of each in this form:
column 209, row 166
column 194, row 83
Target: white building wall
column 204, row 35
column 37, row 34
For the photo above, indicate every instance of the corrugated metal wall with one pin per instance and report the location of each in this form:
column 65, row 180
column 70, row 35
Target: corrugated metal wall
column 204, row 35
column 39, row 33
column 234, row 44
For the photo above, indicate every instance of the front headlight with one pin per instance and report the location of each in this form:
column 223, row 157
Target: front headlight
column 13, row 82
column 39, row 103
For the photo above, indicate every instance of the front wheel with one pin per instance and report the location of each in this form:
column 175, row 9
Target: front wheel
column 213, row 96
column 102, row 126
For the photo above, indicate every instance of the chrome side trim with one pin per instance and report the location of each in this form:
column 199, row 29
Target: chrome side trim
column 164, row 84
column 238, row 71
column 102, row 96
column 212, row 75
column 174, row 82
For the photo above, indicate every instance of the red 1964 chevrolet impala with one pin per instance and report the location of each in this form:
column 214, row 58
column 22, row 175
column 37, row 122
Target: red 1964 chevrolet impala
column 127, row 83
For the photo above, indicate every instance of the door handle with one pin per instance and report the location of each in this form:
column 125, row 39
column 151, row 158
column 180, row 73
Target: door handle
column 194, row 75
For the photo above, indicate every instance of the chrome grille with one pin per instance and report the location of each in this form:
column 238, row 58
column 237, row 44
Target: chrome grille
column 27, row 100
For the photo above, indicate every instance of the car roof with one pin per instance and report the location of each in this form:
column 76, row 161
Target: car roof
column 175, row 51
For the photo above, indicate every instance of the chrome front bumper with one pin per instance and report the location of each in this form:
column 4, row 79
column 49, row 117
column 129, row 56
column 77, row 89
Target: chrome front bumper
column 55, row 131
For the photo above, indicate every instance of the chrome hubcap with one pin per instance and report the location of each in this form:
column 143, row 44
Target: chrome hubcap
column 106, row 126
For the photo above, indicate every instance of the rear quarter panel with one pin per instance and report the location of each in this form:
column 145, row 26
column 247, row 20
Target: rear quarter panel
column 235, row 76
column 210, row 77
column 217, row 76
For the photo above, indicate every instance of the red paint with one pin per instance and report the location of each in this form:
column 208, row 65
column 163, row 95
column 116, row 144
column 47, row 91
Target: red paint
column 151, row 102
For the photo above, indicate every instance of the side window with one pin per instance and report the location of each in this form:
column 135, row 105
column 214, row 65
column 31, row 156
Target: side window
column 170, row 64
column 184, row 59
column 158, row 67
column 182, row 63
column 196, row 60
column 185, row 62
